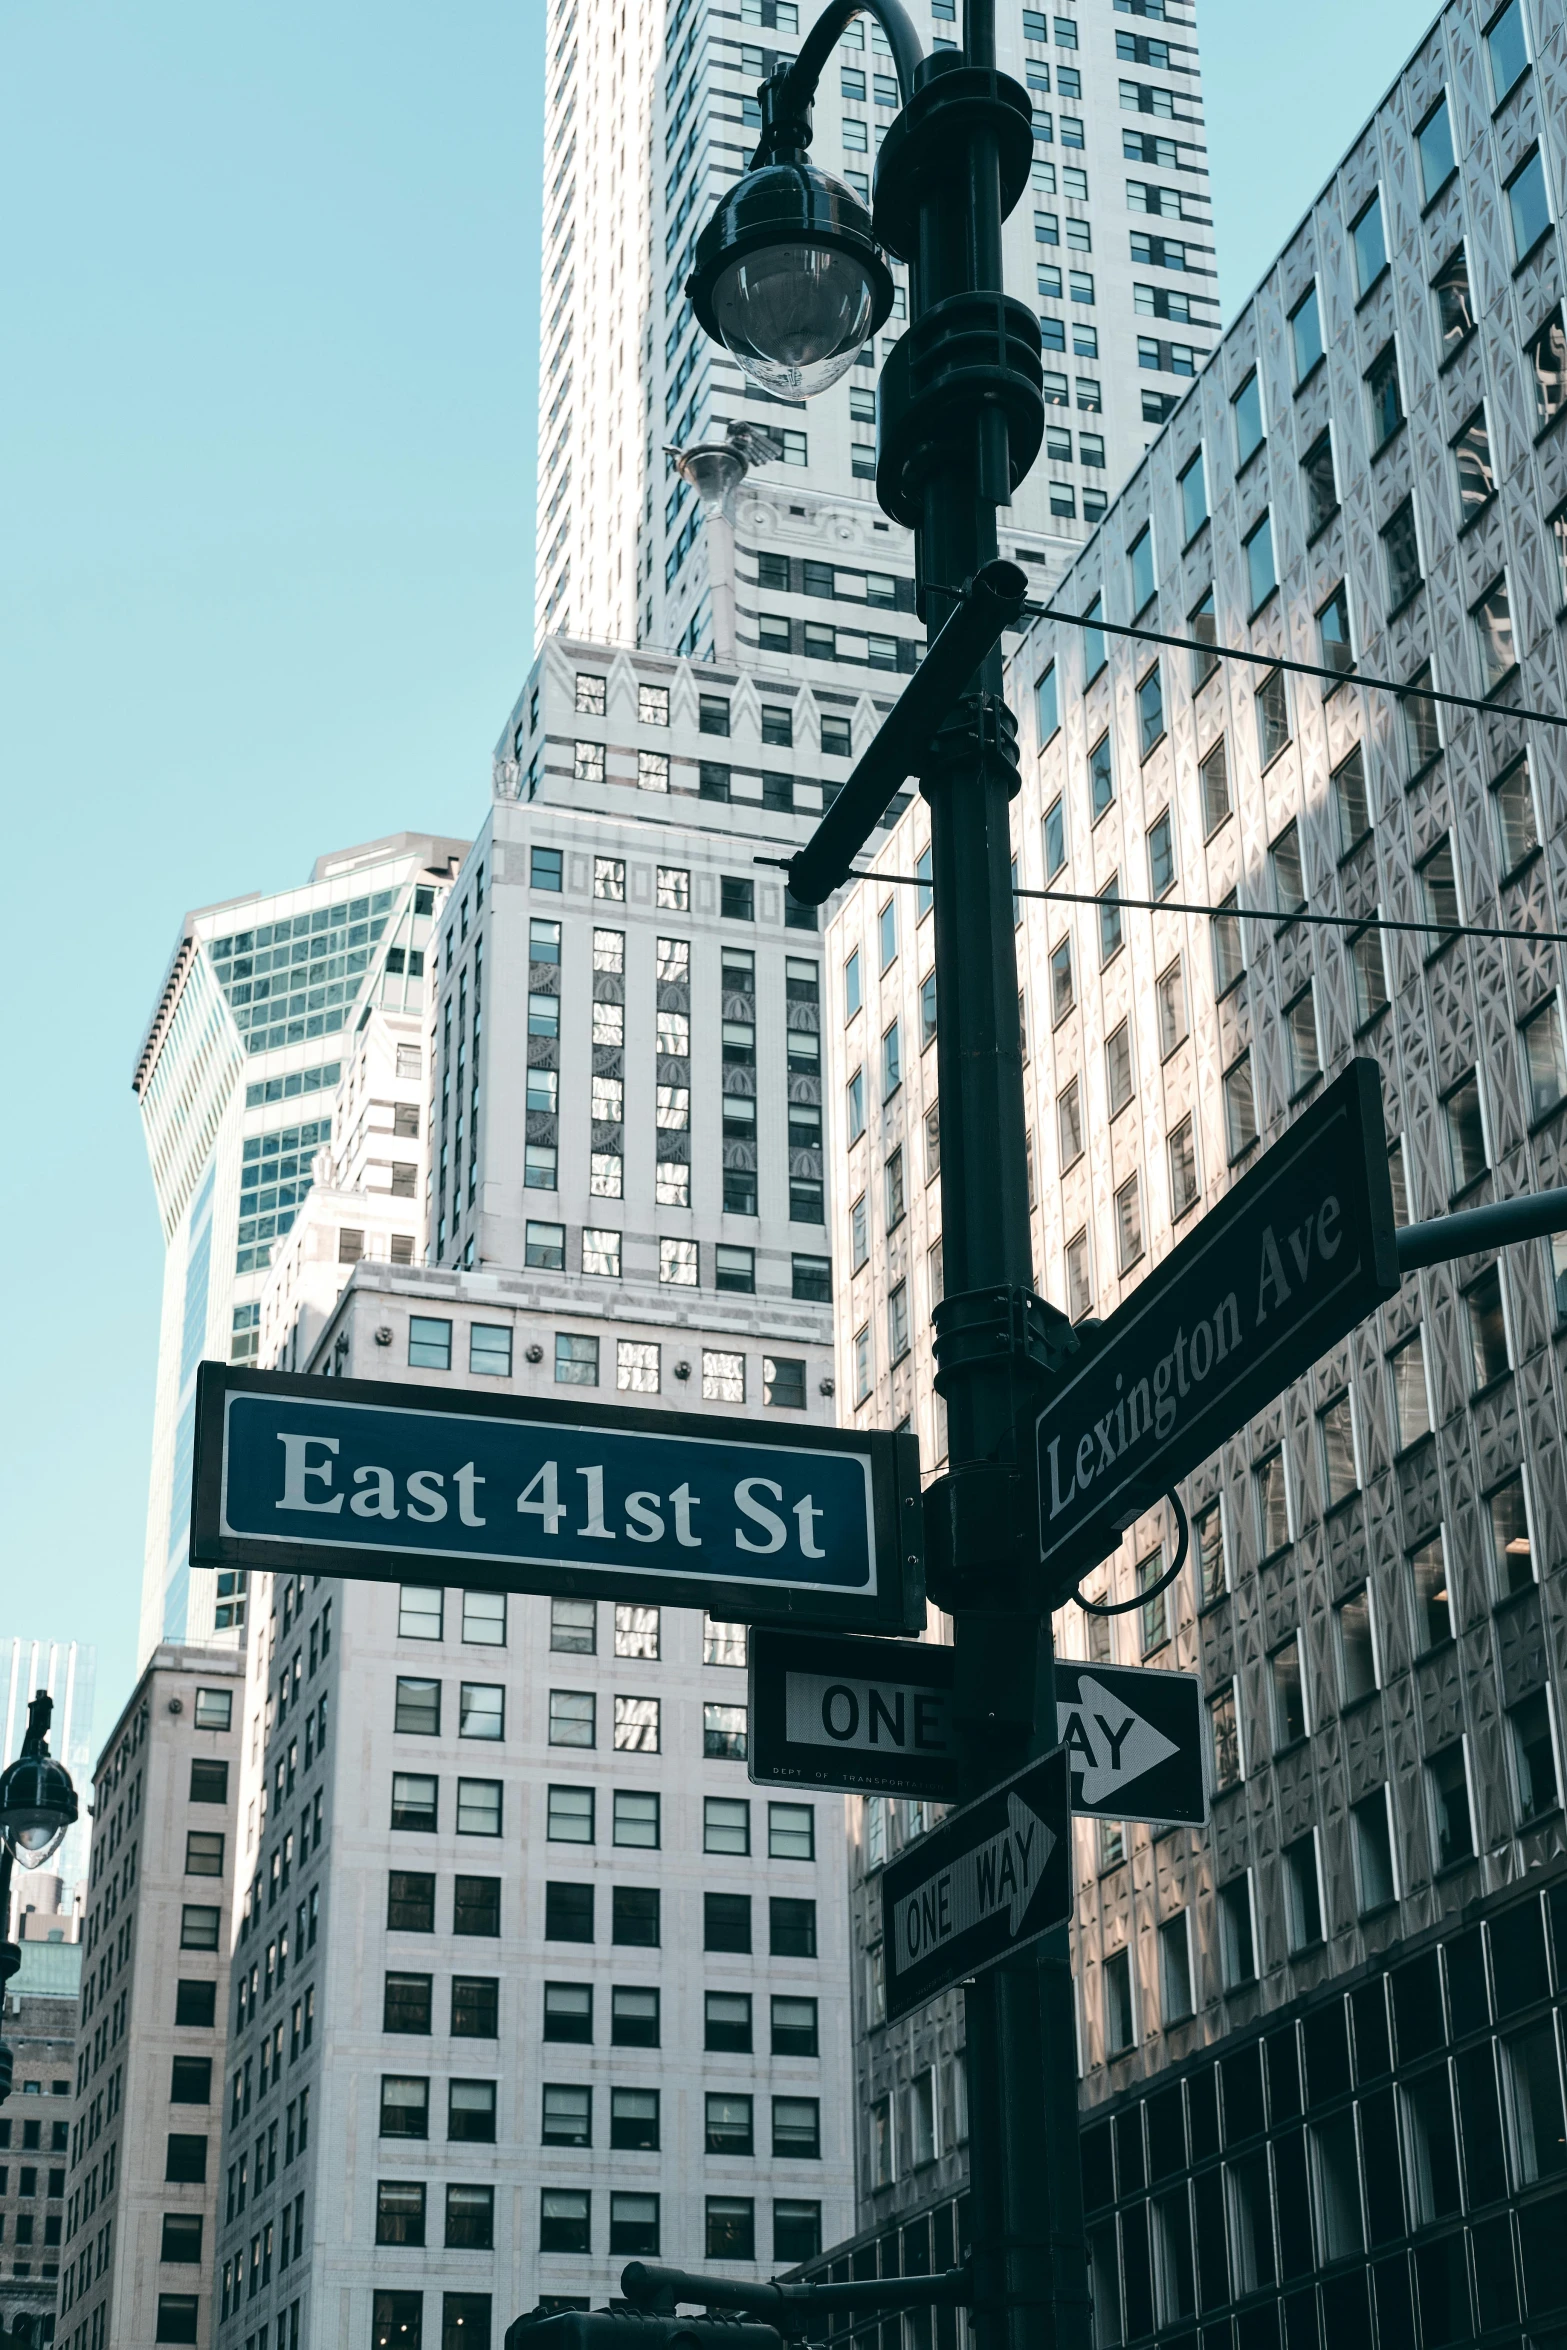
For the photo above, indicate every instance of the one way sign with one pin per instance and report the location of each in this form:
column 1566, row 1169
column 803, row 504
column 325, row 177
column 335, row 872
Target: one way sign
column 1133, row 1742
column 991, row 1878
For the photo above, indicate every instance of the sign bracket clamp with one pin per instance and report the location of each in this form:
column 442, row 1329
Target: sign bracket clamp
column 1124, row 1607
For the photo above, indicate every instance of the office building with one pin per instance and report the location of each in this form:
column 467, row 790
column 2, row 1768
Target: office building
column 646, row 122
column 140, row 2171
column 35, row 2125
column 1319, row 2041
column 235, row 1079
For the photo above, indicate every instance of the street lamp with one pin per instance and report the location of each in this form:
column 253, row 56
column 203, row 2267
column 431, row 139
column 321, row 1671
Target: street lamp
column 789, row 275
column 37, row 1806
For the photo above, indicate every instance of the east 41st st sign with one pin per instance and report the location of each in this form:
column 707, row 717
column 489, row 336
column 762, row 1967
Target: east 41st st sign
column 340, row 1477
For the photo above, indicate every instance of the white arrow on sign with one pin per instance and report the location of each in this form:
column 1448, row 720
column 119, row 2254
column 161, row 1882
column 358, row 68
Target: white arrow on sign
column 1001, row 1873
column 1107, row 1742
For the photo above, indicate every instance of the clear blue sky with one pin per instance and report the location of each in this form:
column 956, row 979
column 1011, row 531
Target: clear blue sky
column 266, row 424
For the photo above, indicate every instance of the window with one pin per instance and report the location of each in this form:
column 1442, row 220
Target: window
column 1512, row 1559
column 476, row 1906
column 1118, row 1067
column 214, row 1709
column 1240, row 1108
column 194, row 2003
column 634, row 1909
column 1306, row 333
column 564, row 2220
column 418, row 1708
column 209, row 1782
column 1447, row 1777
column 891, row 1063
column 1150, row 712
column 475, row 2007
column 1140, row 558
column 568, row 2012
column 1320, row 483
column 1513, row 800
column 568, row 1909
column 405, row 2107
column 1101, row 777
column 1055, row 837
column 797, row 2128
column 1441, row 892
column 791, row 1927
column 399, row 2212
column 1079, row 1279
column 1227, row 1768
column 737, row 898
column 1109, row 922
column 600, row 1256
column 1175, row 1969
column 1202, row 623
column 723, row 1376
column 863, row 1369
column 177, row 2312
column 1154, row 1614
column 729, row 2126
column 609, row 879
column 636, row 1731
column 1465, row 1133
column 1384, row 397
column 1069, row 1125
column 478, row 1807
column 1300, row 1023
column 1487, row 1329
column 1193, row 487
column 1534, row 1758
column 1246, row 407
column 1161, row 855
column 1401, row 556
column 1433, row 1609
column 1128, row 1224
column 1333, row 631
column 887, row 935
column 544, row 869
column 1208, row 1533
column 1273, row 1522
column 894, row 1187
column 1237, row 1945
column 677, row 1262
column 1336, row 1438
column 1261, row 576
column 724, row 1732
column 198, row 1927
column 576, row 1359
column 1303, row 1892
column 1062, row 996
column 927, row 1010
column 791, row 1831
column 414, row 1795
column 1370, row 246
column 731, row 2227
column 1185, row 1190
column 1288, row 1694
column 1120, row 2025
column 1214, row 776
column 1528, row 205
column 1411, row 1406
column 544, row 1247
column 429, row 1343
column 571, row 1715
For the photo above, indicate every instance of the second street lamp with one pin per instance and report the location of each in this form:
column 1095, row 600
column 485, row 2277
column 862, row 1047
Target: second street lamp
column 37, row 1806
column 787, row 278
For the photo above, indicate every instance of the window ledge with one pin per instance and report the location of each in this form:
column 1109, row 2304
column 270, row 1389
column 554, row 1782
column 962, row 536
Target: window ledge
column 1365, row 1027
column 1345, row 1501
column 1372, row 288
column 1496, row 1386
column 1428, row 769
column 1517, row 872
column 1398, row 610
column 1196, row 535
column 1466, row 1191
column 1274, row 1558
column 1161, row 736
column 1247, row 463
column 1384, row 445
column 1453, row 356
column 1507, row 678
column 1550, row 424
column 1303, row 1092
column 1312, row 372
column 1255, row 614
column 1524, row 259
column 1454, row 1868
column 1355, row 1705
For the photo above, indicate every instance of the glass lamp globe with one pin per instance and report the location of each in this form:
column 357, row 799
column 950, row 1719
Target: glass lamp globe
column 37, row 1806
column 795, row 316
column 789, row 277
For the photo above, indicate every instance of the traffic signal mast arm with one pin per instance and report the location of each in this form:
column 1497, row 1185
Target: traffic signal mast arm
column 792, row 2308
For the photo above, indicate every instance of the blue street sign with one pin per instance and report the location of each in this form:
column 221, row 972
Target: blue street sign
column 339, row 1477
column 1301, row 1250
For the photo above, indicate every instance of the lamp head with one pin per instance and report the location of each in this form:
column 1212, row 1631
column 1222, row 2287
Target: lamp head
column 37, row 1806
column 788, row 274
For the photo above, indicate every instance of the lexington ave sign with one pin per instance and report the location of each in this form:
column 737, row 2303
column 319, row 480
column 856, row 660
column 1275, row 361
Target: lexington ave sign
column 875, row 1716
column 354, row 1477
column 1300, row 1251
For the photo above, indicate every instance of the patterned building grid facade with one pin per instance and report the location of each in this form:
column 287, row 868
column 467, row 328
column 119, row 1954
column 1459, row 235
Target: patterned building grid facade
column 1373, row 462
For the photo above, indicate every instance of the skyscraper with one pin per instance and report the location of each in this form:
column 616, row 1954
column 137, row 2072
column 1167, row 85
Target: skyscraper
column 235, row 1080
column 1314, row 2038
column 648, row 114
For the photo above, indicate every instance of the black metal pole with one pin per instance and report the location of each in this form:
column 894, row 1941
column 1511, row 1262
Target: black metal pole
column 1026, row 2217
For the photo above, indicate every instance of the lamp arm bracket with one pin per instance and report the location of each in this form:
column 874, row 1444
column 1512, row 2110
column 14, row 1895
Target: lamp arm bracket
column 1124, row 1607
column 823, row 37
